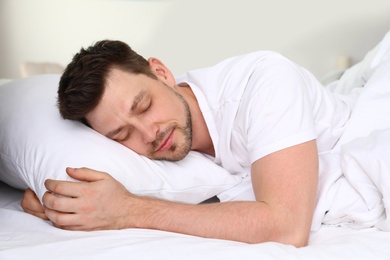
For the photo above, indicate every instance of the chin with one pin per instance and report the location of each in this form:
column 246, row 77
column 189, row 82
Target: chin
column 170, row 158
column 173, row 155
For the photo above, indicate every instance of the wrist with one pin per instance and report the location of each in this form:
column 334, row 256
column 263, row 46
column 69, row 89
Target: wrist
column 143, row 212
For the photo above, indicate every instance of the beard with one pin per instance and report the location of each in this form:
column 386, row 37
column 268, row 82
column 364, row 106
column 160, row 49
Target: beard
column 177, row 151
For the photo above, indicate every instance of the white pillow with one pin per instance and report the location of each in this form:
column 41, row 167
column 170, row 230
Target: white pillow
column 37, row 144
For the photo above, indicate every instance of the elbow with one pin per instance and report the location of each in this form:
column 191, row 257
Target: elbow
column 292, row 240
column 292, row 237
column 299, row 241
column 295, row 236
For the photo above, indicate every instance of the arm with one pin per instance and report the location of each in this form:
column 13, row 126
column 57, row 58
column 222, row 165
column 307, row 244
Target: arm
column 284, row 182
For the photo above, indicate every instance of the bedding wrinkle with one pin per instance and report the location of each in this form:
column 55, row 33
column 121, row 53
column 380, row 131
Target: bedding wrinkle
column 364, row 152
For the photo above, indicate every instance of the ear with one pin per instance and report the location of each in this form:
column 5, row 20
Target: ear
column 162, row 71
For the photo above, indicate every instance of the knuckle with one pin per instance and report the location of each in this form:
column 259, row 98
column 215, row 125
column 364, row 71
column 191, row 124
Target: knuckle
column 58, row 220
column 46, row 198
column 56, row 203
column 87, row 208
column 57, row 187
column 54, row 186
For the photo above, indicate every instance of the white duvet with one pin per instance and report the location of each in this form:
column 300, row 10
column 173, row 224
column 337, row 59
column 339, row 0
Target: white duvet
column 362, row 191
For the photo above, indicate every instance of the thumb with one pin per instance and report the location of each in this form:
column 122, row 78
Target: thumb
column 86, row 174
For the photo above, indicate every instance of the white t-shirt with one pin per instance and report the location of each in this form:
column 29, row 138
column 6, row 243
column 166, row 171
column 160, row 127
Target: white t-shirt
column 259, row 103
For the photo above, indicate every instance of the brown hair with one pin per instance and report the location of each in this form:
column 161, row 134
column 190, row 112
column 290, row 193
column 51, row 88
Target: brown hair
column 82, row 84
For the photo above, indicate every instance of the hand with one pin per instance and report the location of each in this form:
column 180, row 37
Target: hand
column 31, row 204
column 95, row 203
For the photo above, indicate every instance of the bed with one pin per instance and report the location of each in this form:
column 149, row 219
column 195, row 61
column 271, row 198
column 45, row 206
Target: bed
column 26, row 237
column 363, row 152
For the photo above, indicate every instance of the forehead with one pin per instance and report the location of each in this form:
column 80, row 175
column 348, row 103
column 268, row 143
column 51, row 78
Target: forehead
column 119, row 80
column 120, row 90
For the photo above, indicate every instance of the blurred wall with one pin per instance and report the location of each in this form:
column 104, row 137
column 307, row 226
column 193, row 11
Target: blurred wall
column 188, row 34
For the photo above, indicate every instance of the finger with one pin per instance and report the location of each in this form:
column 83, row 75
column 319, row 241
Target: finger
column 31, row 204
column 63, row 188
column 29, row 192
column 62, row 219
column 56, row 203
column 76, row 227
column 30, row 200
column 72, row 227
column 68, row 221
column 40, row 215
column 86, row 174
column 37, row 213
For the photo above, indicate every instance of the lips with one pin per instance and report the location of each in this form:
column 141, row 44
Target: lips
column 166, row 144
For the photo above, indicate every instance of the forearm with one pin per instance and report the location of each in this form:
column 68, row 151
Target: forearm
column 101, row 202
column 247, row 221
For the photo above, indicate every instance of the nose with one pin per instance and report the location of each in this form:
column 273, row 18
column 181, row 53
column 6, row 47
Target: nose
column 148, row 132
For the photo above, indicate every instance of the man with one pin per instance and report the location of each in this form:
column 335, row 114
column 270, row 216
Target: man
column 258, row 115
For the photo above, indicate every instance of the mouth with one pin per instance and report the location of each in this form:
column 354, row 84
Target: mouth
column 166, row 143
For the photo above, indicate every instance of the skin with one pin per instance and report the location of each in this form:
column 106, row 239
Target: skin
column 285, row 185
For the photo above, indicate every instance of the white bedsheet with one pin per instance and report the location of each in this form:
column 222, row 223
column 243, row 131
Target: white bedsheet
column 23, row 236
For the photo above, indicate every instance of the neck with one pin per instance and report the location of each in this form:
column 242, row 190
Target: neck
column 201, row 139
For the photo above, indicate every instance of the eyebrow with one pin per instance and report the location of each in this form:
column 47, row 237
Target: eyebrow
column 137, row 99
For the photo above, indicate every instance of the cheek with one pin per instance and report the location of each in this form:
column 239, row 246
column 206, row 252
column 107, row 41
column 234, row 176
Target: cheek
column 170, row 111
column 136, row 145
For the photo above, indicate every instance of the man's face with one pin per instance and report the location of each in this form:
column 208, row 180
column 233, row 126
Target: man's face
column 145, row 115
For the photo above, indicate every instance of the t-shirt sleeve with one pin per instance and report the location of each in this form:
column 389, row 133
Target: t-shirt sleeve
column 276, row 107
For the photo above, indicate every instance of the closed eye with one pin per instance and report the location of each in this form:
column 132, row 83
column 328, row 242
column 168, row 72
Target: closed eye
column 124, row 135
column 146, row 106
